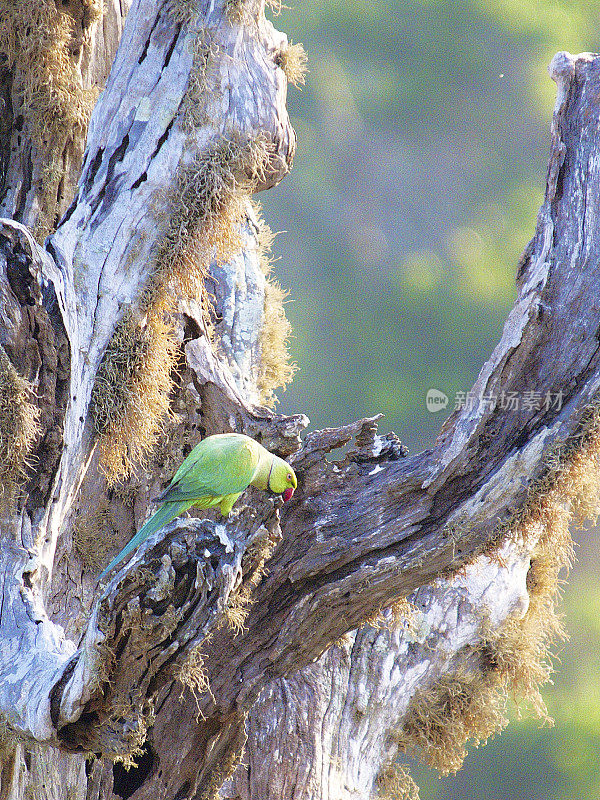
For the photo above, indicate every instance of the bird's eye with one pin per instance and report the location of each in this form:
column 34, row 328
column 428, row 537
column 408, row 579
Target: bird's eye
column 289, row 476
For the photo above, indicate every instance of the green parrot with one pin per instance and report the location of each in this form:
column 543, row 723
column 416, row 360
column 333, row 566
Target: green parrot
column 215, row 473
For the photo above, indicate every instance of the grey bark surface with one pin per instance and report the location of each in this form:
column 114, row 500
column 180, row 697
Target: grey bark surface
column 39, row 180
column 328, row 731
column 362, row 532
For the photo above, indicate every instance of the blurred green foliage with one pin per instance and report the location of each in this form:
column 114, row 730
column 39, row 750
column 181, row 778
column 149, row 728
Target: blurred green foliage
column 423, row 136
column 418, row 177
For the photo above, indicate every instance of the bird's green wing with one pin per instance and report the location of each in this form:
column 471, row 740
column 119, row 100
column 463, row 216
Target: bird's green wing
column 218, row 466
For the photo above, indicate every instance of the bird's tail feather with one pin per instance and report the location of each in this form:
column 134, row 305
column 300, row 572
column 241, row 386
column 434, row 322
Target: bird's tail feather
column 165, row 514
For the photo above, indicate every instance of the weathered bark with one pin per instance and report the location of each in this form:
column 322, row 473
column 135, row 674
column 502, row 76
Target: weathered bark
column 189, row 88
column 55, row 61
column 332, row 729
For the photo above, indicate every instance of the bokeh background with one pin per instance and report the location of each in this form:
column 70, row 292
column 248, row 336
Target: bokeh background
column 423, row 137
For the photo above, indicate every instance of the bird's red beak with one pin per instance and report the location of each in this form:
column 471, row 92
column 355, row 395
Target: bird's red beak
column 288, row 493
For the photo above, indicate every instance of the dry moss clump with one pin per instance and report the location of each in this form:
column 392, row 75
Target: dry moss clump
column 206, row 50
column 275, row 370
column 131, row 393
column 293, row 61
column 237, row 12
column 95, row 535
column 182, row 11
column 201, row 224
column 122, row 743
column 19, row 426
column 518, row 654
column 395, row 783
column 568, row 494
column 193, row 674
column 41, row 42
column 515, row 659
column 201, row 221
column 399, row 615
column 237, row 608
column 253, row 563
column 204, row 211
column 41, row 45
column 441, row 719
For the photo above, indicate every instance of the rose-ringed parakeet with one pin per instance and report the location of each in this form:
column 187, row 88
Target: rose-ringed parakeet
column 215, row 473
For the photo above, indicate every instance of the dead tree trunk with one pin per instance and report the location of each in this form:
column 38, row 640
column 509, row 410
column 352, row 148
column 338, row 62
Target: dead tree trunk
column 147, row 321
